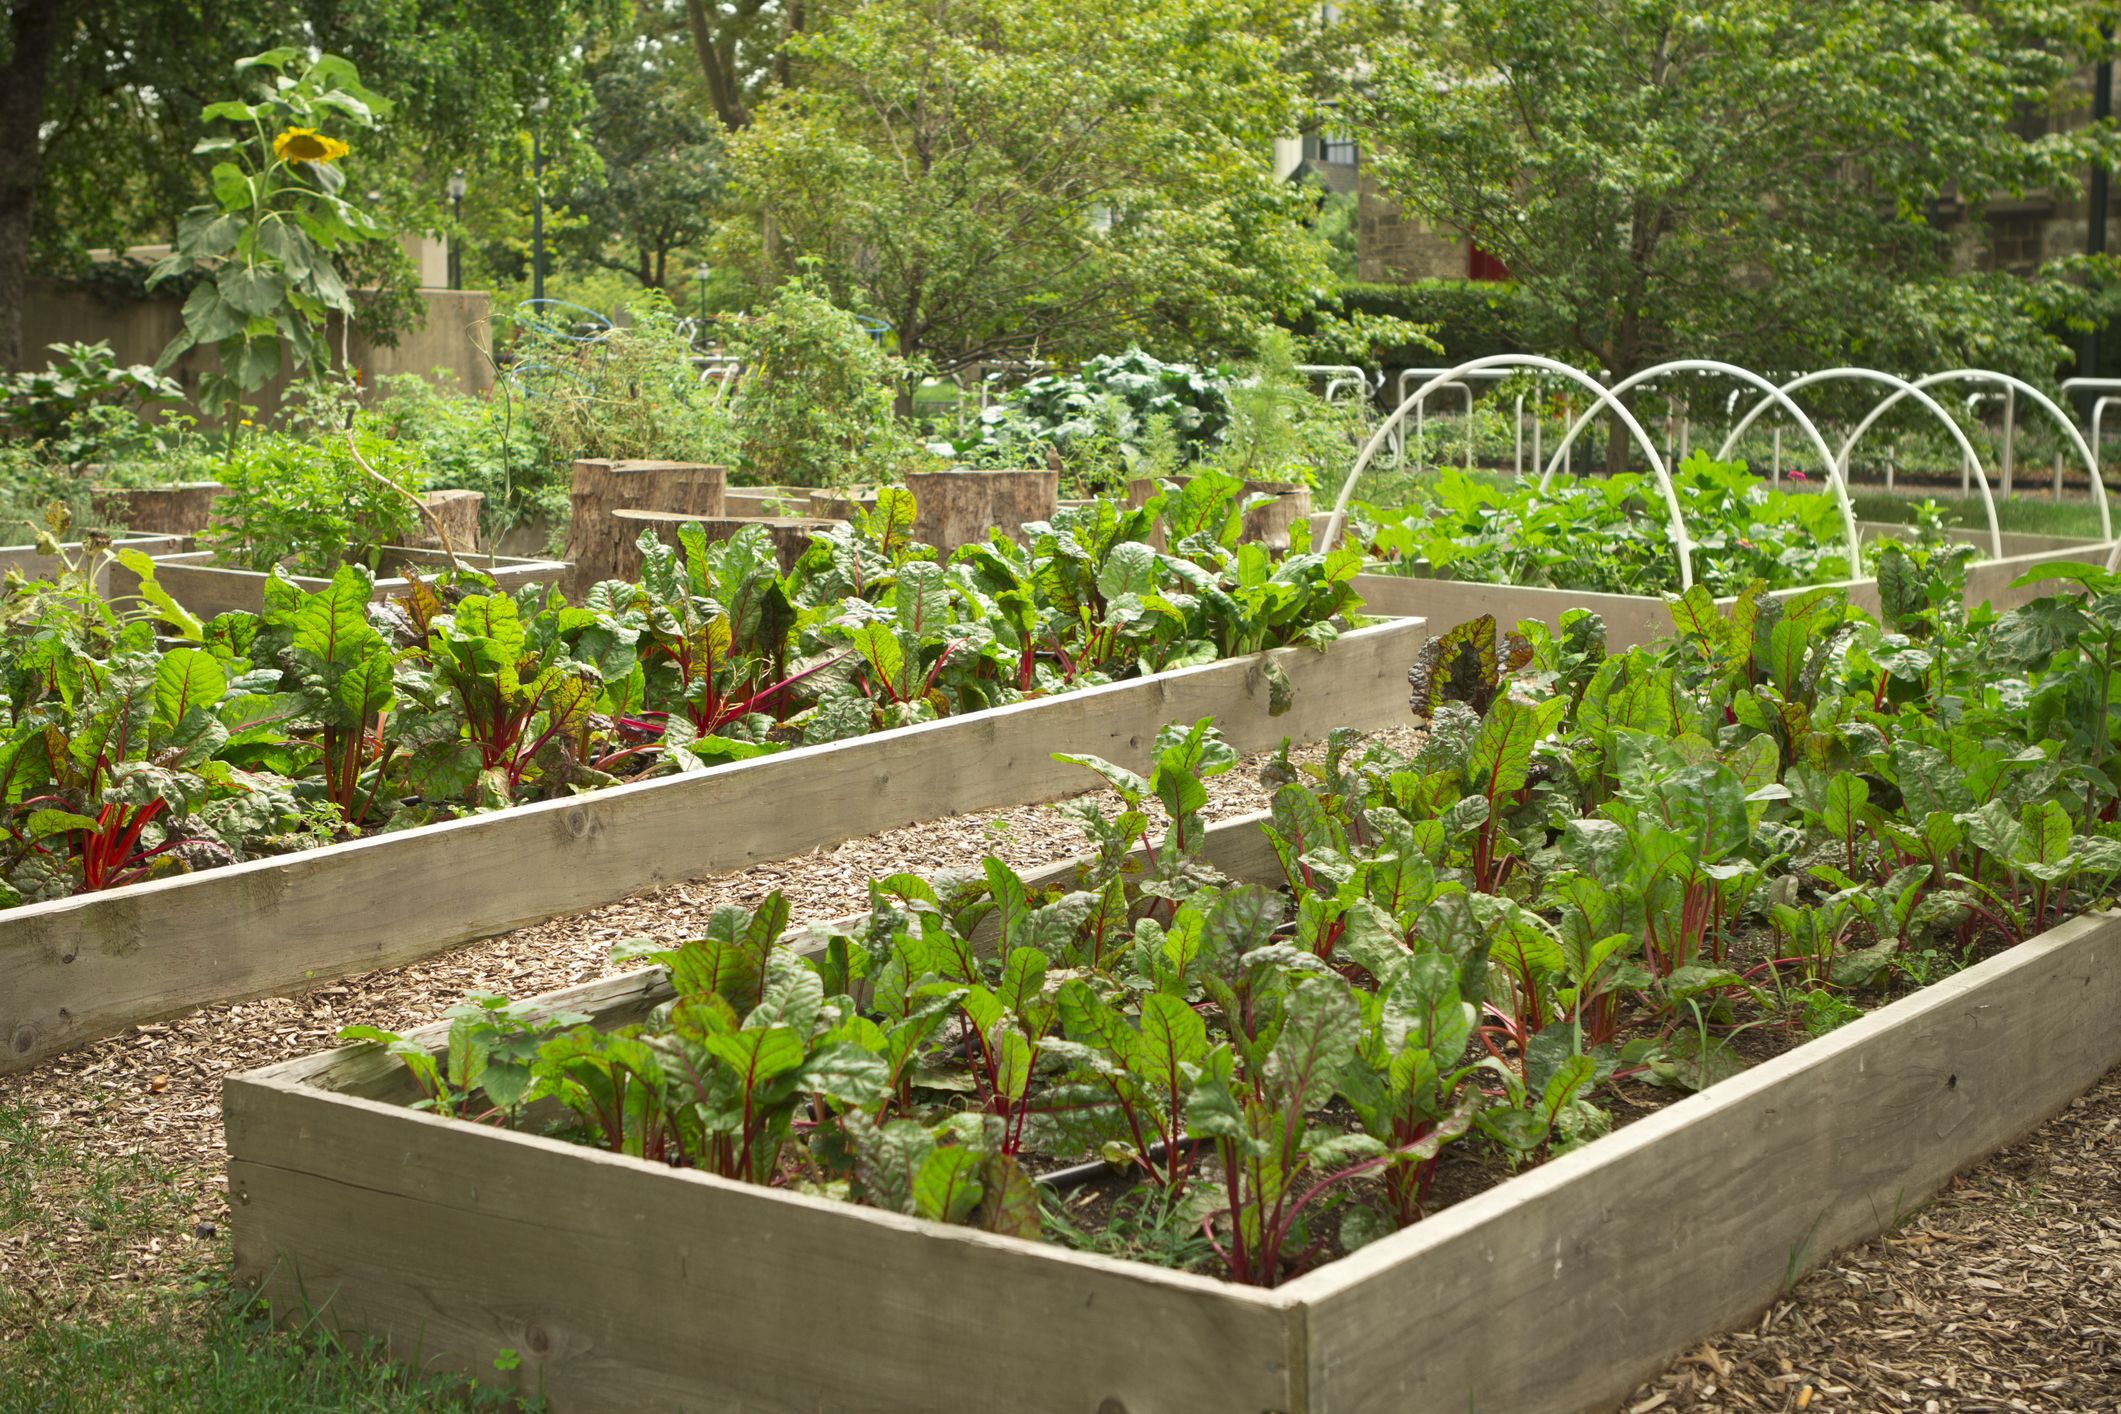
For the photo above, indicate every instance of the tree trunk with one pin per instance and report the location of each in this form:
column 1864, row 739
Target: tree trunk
column 33, row 31
column 717, row 67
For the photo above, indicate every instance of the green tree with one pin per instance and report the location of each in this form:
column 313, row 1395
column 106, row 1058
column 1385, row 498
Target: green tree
column 1762, row 180
column 659, row 156
column 99, row 104
column 1009, row 178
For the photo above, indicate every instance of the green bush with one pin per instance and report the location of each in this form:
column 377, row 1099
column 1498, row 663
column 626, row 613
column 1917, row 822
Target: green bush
column 815, row 404
column 631, row 392
column 307, row 503
column 488, row 445
column 1470, row 318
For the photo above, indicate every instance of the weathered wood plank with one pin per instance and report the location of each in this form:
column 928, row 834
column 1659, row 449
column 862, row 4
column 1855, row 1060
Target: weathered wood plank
column 30, row 563
column 1561, row 1289
column 623, row 1286
column 1633, row 619
column 78, row 968
column 207, row 589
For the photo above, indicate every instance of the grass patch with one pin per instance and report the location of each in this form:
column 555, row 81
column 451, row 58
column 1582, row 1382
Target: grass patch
column 2021, row 514
column 113, row 1296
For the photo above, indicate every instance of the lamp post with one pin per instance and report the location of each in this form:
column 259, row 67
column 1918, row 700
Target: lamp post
column 699, row 274
column 537, row 204
column 457, row 188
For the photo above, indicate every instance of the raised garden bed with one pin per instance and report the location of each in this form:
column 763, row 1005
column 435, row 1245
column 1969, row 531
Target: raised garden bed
column 205, row 587
column 1638, row 618
column 609, row 1280
column 82, row 967
column 1595, row 878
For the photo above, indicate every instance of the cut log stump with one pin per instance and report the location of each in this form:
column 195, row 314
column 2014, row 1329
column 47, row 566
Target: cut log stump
column 599, row 545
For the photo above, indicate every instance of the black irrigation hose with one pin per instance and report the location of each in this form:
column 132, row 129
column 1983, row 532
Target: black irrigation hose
column 1076, row 1175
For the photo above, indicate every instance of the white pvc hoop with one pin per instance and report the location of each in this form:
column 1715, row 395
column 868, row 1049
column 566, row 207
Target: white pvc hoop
column 1906, row 389
column 1775, row 394
column 1983, row 375
column 1680, row 540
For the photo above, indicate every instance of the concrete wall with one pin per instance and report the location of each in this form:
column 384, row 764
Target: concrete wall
column 454, row 336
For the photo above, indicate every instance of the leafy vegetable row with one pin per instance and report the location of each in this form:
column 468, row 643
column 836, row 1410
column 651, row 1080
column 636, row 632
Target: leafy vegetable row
column 122, row 757
column 1607, row 534
column 1597, row 872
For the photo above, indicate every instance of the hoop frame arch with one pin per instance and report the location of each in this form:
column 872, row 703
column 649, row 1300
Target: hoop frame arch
column 1890, row 380
column 1985, row 375
column 1774, row 394
column 1681, row 541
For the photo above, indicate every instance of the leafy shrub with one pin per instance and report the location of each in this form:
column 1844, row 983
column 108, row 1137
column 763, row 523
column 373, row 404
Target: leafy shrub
column 814, row 406
column 80, row 400
column 629, row 392
column 489, row 445
column 306, row 502
column 1115, row 400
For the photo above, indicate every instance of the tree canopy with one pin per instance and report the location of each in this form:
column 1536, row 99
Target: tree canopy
column 1781, row 182
column 1015, row 178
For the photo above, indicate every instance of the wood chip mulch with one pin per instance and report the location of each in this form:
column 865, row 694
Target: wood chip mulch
column 2004, row 1294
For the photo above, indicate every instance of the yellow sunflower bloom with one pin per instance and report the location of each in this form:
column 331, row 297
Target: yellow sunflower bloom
column 308, row 145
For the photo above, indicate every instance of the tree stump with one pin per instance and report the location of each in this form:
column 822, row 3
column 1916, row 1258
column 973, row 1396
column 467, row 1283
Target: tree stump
column 458, row 513
column 770, row 501
column 183, row 509
column 600, row 546
column 953, row 508
column 1266, row 525
column 790, row 534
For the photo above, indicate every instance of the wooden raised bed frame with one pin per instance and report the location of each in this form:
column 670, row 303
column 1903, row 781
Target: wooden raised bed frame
column 74, row 969
column 627, row 1286
column 1633, row 619
column 205, row 588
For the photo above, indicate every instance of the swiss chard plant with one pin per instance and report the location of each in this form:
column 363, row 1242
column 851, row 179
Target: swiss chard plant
column 1597, row 878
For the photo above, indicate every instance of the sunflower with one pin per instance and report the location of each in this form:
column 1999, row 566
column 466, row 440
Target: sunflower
column 308, row 145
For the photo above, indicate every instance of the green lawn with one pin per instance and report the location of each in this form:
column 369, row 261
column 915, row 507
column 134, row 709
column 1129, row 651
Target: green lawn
column 2031, row 515
column 90, row 1333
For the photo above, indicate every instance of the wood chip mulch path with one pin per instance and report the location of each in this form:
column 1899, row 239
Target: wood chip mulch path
column 2004, row 1294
